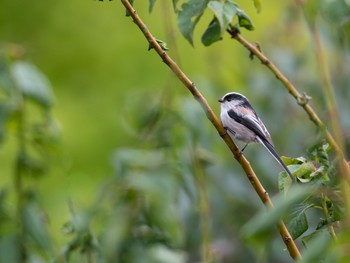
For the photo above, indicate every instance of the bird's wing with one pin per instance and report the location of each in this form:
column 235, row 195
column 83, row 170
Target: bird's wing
column 253, row 123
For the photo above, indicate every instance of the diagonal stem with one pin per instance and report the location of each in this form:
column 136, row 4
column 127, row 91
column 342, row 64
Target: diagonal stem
column 253, row 179
column 302, row 99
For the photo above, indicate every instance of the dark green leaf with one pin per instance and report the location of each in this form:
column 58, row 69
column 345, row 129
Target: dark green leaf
column 189, row 16
column 212, row 33
column 127, row 13
column 5, row 112
column 224, row 12
column 151, row 4
column 32, row 83
column 10, row 247
column 296, row 221
column 244, row 20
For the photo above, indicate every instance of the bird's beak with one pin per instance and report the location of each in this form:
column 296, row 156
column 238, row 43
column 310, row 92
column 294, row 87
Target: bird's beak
column 221, row 100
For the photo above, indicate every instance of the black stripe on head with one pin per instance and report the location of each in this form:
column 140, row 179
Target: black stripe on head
column 234, row 96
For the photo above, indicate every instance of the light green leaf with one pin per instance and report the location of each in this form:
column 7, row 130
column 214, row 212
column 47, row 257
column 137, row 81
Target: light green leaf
column 212, row 33
column 189, row 16
column 175, row 4
column 224, row 12
column 257, row 4
column 32, row 83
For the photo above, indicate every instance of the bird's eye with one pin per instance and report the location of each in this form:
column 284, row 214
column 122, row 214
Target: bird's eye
column 228, row 99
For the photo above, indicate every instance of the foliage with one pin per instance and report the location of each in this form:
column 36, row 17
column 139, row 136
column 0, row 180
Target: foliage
column 175, row 195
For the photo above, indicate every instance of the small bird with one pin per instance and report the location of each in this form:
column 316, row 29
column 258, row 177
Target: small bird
column 241, row 121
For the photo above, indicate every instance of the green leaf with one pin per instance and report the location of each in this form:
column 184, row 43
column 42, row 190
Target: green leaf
column 244, row 20
column 304, row 170
column 175, row 4
column 34, row 225
column 212, row 33
column 162, row 44
column 10, row 247
column 288, row 160
column 257, row 4
column 127, row 13
column 317, row 244
column 262, row 223
column 5, row 112
column 32, row 83
column 296, row 221
column 151, row 5
column 224, row 12
column 189, row 16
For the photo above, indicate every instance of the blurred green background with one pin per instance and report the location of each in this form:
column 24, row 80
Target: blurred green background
column 104, row 78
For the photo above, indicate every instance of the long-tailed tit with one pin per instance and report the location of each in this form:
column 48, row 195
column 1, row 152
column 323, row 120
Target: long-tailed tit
column 241, row 121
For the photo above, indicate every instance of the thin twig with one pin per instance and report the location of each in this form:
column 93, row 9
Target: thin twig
column 253, row 179
column 301, row 99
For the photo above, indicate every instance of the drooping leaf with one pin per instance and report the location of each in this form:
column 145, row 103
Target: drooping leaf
column 189, row 16
column 224, row 12
column 32, row 83
column 212, row 33
column 257, row 4
column 244, row 20
column 151, row 5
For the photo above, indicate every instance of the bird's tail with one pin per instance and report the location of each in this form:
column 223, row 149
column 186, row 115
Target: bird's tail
column 272, row 151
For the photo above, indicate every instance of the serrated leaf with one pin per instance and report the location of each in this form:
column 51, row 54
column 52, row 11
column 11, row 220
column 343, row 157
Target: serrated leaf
column 244, row 20
column 257, row 4
column 151, row 5
column 189, row 16
column 296, row 221
column 224, row 12
column 212, row 33
column 32, row 83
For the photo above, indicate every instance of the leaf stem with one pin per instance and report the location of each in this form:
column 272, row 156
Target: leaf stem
column 253, row 179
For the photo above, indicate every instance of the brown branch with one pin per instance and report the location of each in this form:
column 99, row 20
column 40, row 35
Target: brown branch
column 253, row 179
column 301, row 99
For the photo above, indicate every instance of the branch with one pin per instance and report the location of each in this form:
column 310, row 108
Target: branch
column 253, row 179
column 301, row 99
